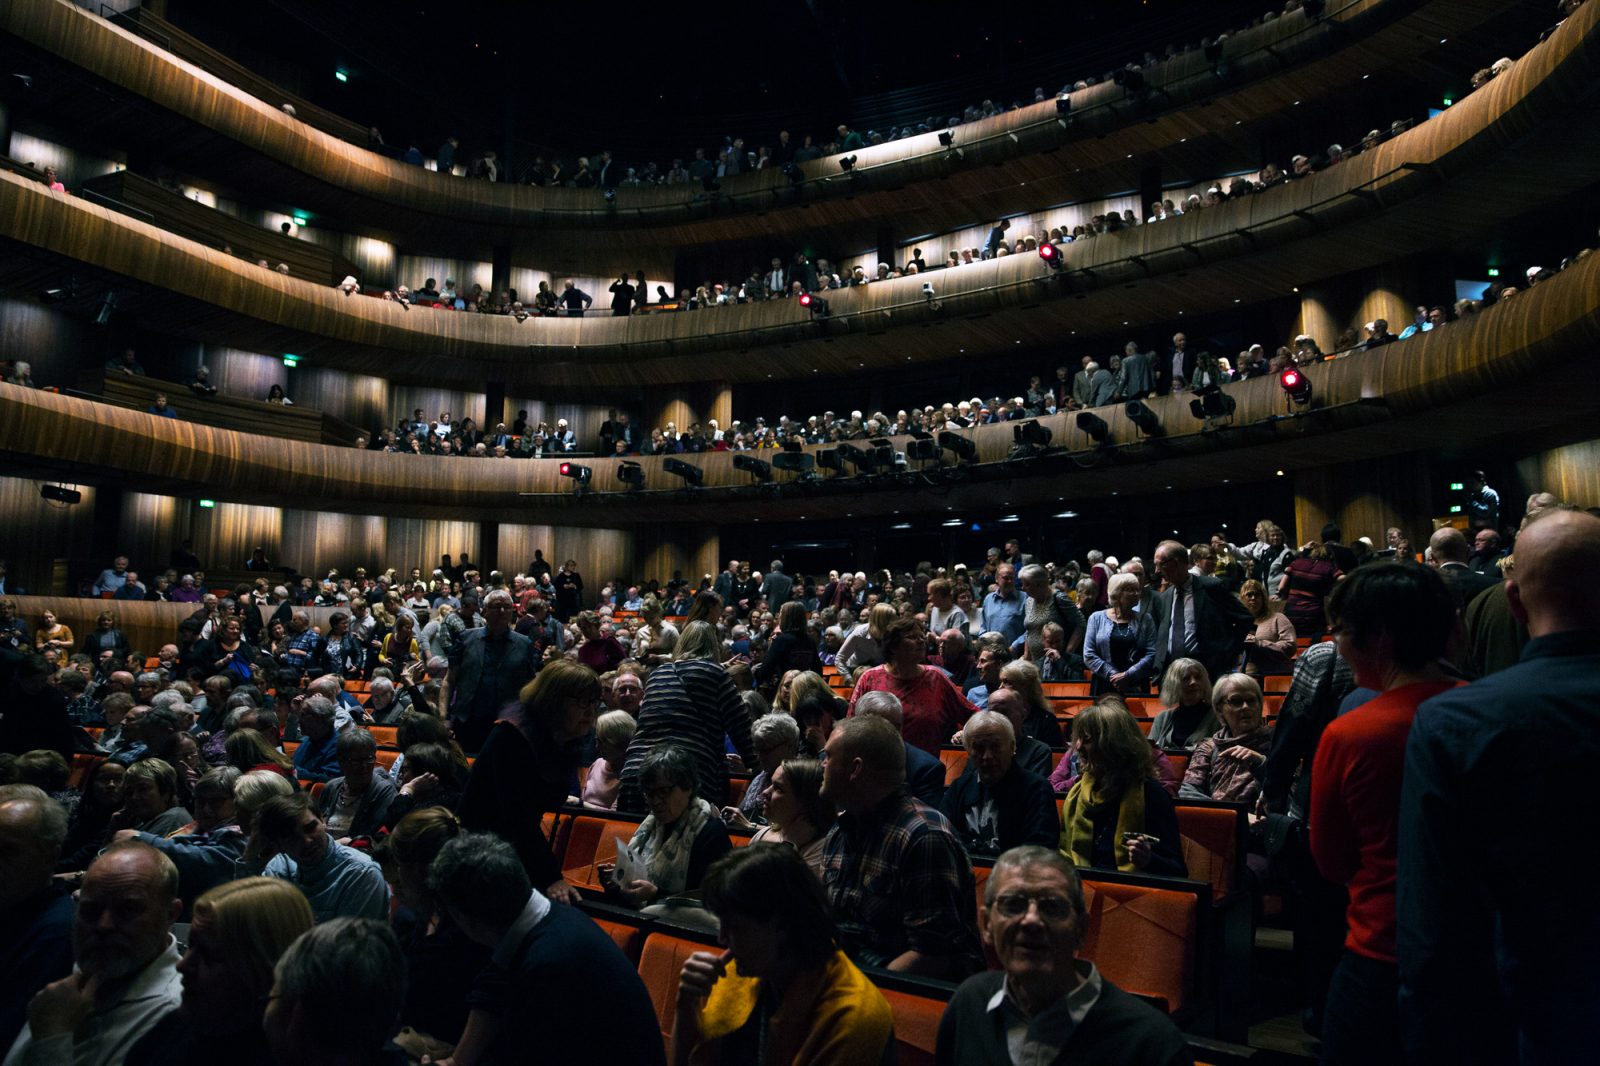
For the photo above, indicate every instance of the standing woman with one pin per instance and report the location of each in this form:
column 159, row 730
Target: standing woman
column 526, row 765
column 1043, row 605
column 862, row 647
column 1394, row 623
column 400, row 646
column 934, row 707
column 105, row 637
column 1120, row 646
column 341, row 652
column 1304, row 589
column 1269, row 647
column 691, row 702
column 227, row 653
column 792, row 649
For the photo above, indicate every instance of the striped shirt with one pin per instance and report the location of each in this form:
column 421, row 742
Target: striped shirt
column 693, row 704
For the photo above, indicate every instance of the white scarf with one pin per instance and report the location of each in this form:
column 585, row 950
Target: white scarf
column 665, row 849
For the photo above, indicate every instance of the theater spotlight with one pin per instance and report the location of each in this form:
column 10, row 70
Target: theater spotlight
column 828, row 459
column 865, row 461
column 815, row 304
column 1094, row 425
column 793, row 172
column 1212, row 405
column 1296, row 385
column 961, row 447
column 790, row 444
column 1140, row 415
column 580, row 474
column 947, row 139
column 847, row 164
column 631, row 474
column 1063, row 104
column 1031, row 434
column 798, row 462
column 925, row 450
column 1131, row 79
column 1052, row 255
column 928, row 291
column 761, row 471
column 691, row 474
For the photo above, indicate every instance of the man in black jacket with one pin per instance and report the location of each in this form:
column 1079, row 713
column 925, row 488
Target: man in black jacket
column 1201, row 620
column 996, row 805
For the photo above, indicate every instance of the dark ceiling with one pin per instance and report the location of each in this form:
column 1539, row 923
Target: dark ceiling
column 652, row 81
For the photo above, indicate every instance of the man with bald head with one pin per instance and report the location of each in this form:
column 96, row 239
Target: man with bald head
column 35, row 916
column 1497, row 927
column 1450, row 555
column 126, row 977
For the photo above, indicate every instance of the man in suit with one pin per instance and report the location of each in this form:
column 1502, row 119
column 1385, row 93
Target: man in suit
column 1179, row 363
column 1201, row 620
column 1138, row 372
column 776, row 586
column 1082, row 386
column 1485, row 552
column 724, row 583
column 1013, row 554
column 1450, row 555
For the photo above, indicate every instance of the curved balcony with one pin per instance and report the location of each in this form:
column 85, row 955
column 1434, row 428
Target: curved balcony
column 1534, row 128
column 1199, row 121
column 1484, row 378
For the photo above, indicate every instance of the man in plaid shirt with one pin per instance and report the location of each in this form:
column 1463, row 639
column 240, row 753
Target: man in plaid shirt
column 897, row 876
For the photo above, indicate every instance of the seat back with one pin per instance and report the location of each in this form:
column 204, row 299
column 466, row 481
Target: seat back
column 738, row 785
column 385, row 735
column 1143, row 938
column 660, row 962
column 1179, row 761
column 955, row 761
column 1066, row 688
column 916, row 1026
column 590, row 841
column 556, row 827
column 630, row 938
column 83, row 765
column 1275, row 683
column 1212, row 847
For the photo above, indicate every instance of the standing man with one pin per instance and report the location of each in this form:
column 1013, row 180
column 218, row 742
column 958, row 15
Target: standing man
column 1003, row 609
column 488, row 668
column 574, row 299
column 621, row 297
column 1483, row 503
column 1201, row 621
column 776, row 586
column 1179, row 365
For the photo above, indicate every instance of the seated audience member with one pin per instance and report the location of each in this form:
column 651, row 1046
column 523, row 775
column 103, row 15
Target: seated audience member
column 783, row 992
column 1269, row 646
column 992, row 656
column 1032, row 755
column 35, row 915
column 289, row 841
column 385, row 704
column 1039, row 723
column 995, row 804
column 900, row 884
column 91, row 820
column 430, row 775
column 1189, row 717
column 613, row 731
column 795, row 812
column 250, row 749
column 126, row 973
column 550, row 955
column 934, row 708
column 1395, row 623
column 1120, row 645
column 317, row 757
column 527, row 767
column 206, row 852
column 1045, row 1004
column 35, row 712
column 237, row 934
column 1227, row 765
column 924, row 772
column 441, row 961
column 776, row 738
column 1117, row 816
column 355, row 804
column 336, row 995
column 149, row 800
column 679, row 839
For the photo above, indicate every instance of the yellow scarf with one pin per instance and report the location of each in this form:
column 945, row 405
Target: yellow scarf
column 1077, row 832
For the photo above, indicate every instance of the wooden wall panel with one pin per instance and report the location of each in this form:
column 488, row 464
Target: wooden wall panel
column 53, row 342
column 412, row 270
column 225, row 535
column 1572, row 473
column 1364, row 499
column 360, row 399
column 602, row 555
column 40, row 149
column 584, row 418
column 248, row 375
column 409, row 542
column 35, row 534
column 662, row 551
column 317, row 541
column 151, row 527
column 403, row 399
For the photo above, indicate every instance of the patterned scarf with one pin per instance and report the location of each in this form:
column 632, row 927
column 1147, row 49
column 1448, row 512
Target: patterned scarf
column 665, row 849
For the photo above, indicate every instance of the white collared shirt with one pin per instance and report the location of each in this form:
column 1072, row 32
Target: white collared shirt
column 536, row 910
column 1038, row 1040
column 113, row 1027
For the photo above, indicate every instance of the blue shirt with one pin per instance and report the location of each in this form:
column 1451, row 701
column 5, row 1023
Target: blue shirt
column 317, row 760
column 343, row 884
column 1004, row 615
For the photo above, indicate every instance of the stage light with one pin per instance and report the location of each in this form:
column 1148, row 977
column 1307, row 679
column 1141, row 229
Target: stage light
column 1297, row 385
column 1143, row 417
column 828, row 459
column 928, row 291
column 815, row 304
column 691, row 474
column 580, row 474
column 108, row 307
column 1093, row 425
column 60, row 494
column 1063, row 104
column 962, row 447
column 1031, row 434
column 1131, row 79
column 1052, row 255
column 631, row 474
column 865, row 462
column 796, row 461
column 947, row 139
column 925, row 450
column 847, row 164
column 1211, row 405
column 761, row 471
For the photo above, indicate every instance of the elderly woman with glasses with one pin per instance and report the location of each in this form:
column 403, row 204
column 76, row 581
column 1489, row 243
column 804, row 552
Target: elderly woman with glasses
column 1269, row 647
column 1227, row 764
column 677, row 842
column 777, row 738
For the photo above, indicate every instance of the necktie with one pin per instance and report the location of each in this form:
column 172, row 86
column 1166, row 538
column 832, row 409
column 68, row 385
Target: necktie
column 1177, row 622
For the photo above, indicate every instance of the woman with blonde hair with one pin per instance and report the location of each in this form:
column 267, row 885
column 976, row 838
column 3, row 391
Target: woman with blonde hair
column 806, row 681
column 239, row 931
column 1189, row 717
column 863, row 647
column 1022, row 677
column 53, row 634
column 1269, row 647
column 1118, row 816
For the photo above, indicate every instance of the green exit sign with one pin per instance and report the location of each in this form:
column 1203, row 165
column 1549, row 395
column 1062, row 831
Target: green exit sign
column 1455, row 509
column 208, row 504
column 1456, row 486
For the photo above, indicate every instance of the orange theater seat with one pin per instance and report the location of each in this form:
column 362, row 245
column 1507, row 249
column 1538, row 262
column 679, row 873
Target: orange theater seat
column 83, row 765
column 660, row 962
column 1179, row 761
column 1212, row 847
column 1276, row 682
column 1143, row 938
column 387, row 735
column 1066, row 689
column 591, row 841
column 955, row 761
column 737, row 787
column 916, row 1026
column 630, row 938
column 387, row 757
column 1272, row 704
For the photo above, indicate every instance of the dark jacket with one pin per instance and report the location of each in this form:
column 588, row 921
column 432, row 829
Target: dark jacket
column 514, row 782
column 924, row 776
column 373, row 810
column 1220, row 625
column 1020, row 808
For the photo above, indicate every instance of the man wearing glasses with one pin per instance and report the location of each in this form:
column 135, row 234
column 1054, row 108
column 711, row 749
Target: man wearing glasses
column 488, row 668
column 1046, row 1004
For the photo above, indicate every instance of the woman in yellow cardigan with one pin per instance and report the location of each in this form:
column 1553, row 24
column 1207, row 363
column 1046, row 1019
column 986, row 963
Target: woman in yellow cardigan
column 783, row 992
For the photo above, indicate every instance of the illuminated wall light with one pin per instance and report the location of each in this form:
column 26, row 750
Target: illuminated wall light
column 208, row 504
column 1494, row 272
column 291, row 361
column 301, row 221
column 1455, row 508
column 1456, row 486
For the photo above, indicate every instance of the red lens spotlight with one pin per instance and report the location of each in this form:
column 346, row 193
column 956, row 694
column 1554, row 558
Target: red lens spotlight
column 1052, row 255
column 805, row 299
column 1296, row 384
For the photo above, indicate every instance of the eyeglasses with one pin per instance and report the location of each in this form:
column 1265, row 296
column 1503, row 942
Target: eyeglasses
column 1051, row 908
